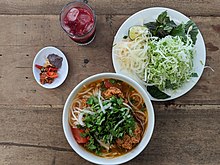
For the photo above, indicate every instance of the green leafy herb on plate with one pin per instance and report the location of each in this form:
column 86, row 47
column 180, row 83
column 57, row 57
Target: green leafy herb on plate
column 156, row 93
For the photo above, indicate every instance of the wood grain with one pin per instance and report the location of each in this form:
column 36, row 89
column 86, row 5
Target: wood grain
column 183, row 135
column 21, row 155
column 26, row 35
column 186, row 129
column 39, row 7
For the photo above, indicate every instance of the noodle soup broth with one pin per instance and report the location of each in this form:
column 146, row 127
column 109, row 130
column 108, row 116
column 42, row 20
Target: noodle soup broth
column 108, row 117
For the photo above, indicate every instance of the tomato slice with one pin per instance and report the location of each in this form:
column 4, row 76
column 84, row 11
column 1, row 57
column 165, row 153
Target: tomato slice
column 77, row 135
column 107, row 84
column 52, row 74
column 52, row 69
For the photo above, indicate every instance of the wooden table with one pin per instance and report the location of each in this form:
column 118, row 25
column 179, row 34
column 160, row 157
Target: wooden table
column 187, row 129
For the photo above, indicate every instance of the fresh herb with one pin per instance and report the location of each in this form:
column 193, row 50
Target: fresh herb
column 120, row 101
column 191, row 27
column 164, row 26
column 179, row 31
column 103, row 87
column 92, row 100
column 168, row 84
column 109, row 126
column 93, row 145
column 125, row 37
column 112, row 81
column 156, row 93
column 194, row 75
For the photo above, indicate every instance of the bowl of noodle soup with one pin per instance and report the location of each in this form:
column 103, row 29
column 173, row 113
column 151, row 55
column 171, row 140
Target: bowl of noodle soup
column 108, row 118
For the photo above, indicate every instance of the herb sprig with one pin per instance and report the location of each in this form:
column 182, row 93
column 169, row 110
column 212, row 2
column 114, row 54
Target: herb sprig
column 109, row 126
column 164, row 26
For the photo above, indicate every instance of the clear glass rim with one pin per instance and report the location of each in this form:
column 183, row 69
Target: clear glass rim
column 94, row 16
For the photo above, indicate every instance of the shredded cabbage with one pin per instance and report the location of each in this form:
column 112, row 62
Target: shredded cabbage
column 166, row 63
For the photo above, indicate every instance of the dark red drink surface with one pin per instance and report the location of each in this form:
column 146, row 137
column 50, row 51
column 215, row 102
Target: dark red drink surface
column 78, row 22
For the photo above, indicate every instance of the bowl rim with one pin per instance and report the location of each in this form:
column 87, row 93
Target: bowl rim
column 117, row 160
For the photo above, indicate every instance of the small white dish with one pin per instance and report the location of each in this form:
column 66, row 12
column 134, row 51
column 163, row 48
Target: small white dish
column 40, row 59
column 151, row 14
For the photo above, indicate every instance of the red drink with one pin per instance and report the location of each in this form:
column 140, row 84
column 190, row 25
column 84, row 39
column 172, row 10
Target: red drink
column 78, row 21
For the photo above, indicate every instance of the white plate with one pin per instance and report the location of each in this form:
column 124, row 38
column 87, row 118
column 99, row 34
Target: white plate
column 151, row 14
column 40, row 59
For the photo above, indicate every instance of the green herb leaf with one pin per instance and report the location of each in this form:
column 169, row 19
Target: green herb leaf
column 90, row 101
column 125, row 37
column 163, row 18
column 113, row 99
column 112, row 81
column 120, row 101
column 152, row 26
column 108, row 127
column 179, row 31
column 156, row 93
column 168, row 84
column 194, row 75
column 163, row 26
column 193, row 30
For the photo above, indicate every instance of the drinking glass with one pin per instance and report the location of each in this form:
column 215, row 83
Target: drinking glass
column 78, row 20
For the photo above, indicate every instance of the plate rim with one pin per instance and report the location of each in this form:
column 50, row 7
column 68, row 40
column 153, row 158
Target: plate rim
column 64, row 60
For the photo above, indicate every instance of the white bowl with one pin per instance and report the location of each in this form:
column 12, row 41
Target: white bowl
column 100, row 160
column 40, row 59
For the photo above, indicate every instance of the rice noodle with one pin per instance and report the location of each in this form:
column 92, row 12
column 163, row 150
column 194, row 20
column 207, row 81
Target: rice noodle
column 82, row 93
column 80, row 116
column 100, row 102
column 140, row 98
column 129, row 100
column 106, row 146
column 74, row 116
column 127, row 105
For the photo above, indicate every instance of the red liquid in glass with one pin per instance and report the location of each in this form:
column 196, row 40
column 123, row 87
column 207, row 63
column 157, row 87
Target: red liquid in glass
column 79, row 22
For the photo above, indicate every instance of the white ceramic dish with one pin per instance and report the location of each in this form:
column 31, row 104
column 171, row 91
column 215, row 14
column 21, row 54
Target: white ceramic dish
column 151, row 14
column 91, row 157
column 40, row 59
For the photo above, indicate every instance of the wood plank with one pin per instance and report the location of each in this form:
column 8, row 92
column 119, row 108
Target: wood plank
column 37, row 156
column 188, row 7
column 28, row 34
column 183, row 135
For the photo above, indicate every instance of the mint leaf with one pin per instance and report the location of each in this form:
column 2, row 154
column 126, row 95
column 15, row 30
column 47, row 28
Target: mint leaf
column 179, row 31
column 193, row 30
column 125, row 37
column 194, row 75
column 163, row 26
column 156, row 93
column 163, row 18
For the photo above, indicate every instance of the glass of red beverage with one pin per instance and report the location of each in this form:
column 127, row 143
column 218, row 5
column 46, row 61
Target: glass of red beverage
column 78, row 20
